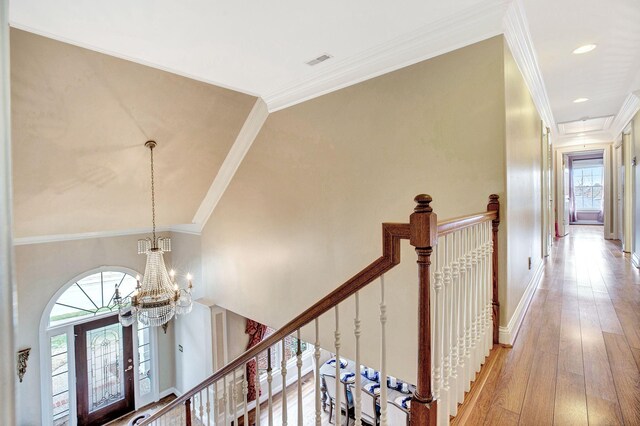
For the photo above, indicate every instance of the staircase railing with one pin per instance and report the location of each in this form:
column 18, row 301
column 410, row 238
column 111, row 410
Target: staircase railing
column 463, row 284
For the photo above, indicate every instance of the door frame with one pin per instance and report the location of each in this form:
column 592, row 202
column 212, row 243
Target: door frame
column 47, row 332
column 82, row 384
column 607, row 153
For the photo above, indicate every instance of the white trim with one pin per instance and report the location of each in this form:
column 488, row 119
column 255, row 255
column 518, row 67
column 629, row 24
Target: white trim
column 43, row 239
column 168, row 392
column 629, row 107
column 469, row 26
column 239, row 149
column 635, row 260
column 509, row 333
column 516, row 33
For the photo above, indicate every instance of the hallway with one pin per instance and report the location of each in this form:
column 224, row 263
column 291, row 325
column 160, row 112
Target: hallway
column 576, row 360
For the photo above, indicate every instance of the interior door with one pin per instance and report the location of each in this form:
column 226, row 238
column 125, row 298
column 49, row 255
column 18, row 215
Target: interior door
column 104, row 370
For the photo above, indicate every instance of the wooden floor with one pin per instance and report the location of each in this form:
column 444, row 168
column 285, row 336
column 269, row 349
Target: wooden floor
column 576, row 360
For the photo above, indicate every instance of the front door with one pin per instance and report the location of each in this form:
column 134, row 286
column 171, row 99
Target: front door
column 104, row 370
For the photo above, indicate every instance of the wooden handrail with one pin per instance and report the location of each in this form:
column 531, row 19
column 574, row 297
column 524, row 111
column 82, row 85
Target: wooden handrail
column 392, row 233
column 423, row 232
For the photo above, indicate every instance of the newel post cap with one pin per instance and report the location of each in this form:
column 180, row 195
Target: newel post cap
column 423, row 223
column 423, row 202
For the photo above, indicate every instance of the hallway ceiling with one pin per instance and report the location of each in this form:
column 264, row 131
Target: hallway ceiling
column 606, row 75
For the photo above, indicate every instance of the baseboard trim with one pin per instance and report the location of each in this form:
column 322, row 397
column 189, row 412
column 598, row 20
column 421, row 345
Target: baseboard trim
column 635, row 260
column 508, row 334
column 168, row 392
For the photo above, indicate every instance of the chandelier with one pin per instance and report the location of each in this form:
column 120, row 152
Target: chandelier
column 157, row 297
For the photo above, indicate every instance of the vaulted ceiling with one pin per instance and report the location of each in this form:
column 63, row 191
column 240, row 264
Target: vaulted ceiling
column 80, row 121
column 188, row 74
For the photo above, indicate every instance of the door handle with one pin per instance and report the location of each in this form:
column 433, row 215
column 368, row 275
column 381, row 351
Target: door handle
column 128, row 368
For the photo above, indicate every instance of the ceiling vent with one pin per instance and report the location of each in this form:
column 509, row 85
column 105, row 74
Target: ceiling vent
column 319, row 59
column 586, row 125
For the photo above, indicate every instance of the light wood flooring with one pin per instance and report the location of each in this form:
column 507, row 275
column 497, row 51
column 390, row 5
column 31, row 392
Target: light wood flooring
column 576, row 360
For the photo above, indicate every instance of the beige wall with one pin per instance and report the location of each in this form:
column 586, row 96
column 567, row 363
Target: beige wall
column 522, row 206
column 635, row 150
column 237, row 339
column 303, row 211
column 41, row 270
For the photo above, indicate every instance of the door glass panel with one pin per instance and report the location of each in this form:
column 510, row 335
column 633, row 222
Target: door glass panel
column 104, row 366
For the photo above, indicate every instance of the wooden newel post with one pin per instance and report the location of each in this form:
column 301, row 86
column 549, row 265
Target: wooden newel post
column 494, row 205
column 423, row 236
column 187, row 409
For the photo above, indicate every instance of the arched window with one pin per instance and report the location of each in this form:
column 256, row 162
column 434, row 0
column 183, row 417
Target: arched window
column 90, row 296
column 86, row 298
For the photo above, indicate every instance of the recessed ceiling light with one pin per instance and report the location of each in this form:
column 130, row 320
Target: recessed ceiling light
column 580, row 100
column 584, row 49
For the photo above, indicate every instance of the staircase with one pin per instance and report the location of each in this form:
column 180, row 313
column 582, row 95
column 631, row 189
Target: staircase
column 458, row 313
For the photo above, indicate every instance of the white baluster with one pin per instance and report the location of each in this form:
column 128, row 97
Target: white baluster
column 316, row 355
column 201, row 400
column 474, row 298
column 299, row 365
column 245, row 392
column 446, row 325
column 488, row 288
column 257, row 391
column 483, row 292
column 269, row 380
column 283, row 370
column 216, row 406
column 194, row 405
column 234, row 403
column 462, row 372
column 468, row 311
column 383, row 355
column 437, row 341
column 338, row 402
column 455, row 305
column 225, row 401
column 358, row 384
column 208, row 405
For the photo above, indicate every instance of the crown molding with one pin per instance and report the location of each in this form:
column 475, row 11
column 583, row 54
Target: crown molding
column 248, row 133
column 467, row 27
column 628, row 110
column 55, row 238
column 518, row 37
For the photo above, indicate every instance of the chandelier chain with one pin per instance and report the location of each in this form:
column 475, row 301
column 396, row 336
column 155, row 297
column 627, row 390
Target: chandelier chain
column 153, row 201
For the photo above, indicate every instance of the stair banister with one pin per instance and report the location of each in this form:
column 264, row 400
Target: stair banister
column 422, row 231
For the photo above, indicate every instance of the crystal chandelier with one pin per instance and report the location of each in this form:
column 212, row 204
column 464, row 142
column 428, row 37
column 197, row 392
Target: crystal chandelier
column 158, row 297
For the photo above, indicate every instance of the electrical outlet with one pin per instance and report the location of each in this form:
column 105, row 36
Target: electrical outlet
column 529, row 262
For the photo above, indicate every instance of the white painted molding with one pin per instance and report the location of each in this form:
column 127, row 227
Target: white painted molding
column 635, row 260
column 239, row 149
column 508, row 334
column 516, row 33
column 42, row 239
column 168, row 392
column 629, row 108
column 467, row 27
